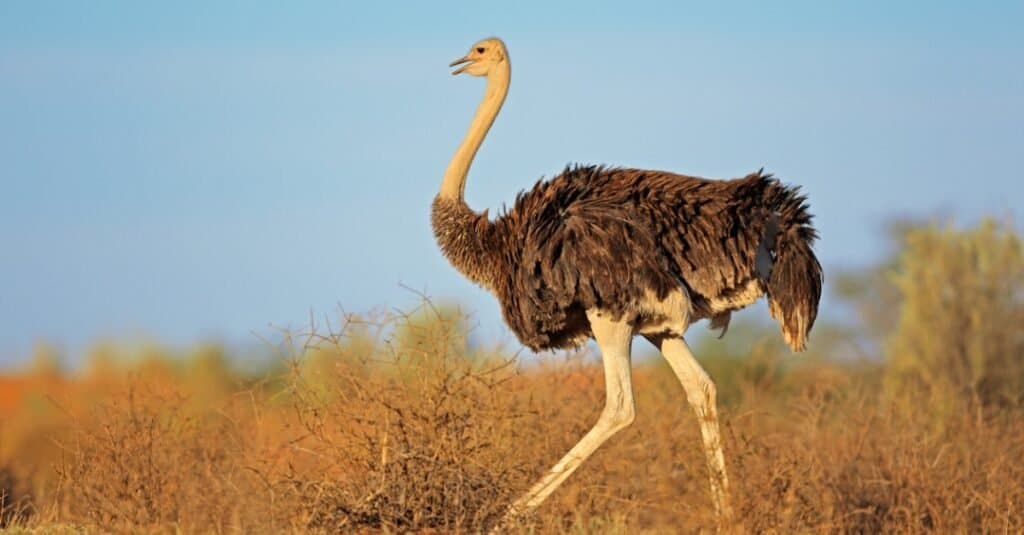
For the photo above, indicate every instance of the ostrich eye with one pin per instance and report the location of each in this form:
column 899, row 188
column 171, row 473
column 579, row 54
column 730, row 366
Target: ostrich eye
column 479, row 50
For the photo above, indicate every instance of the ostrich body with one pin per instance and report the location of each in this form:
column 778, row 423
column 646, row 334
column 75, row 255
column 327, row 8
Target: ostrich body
column 610, row 253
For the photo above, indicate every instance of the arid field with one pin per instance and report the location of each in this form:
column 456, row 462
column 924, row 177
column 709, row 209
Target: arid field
column 906, row 417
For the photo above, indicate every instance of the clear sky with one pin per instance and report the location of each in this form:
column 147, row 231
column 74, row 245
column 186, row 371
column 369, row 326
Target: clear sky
column 200, row 170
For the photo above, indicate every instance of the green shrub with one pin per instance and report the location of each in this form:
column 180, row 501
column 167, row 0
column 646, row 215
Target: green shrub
column 959, row 336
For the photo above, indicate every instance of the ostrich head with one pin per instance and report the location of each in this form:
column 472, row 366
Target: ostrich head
column 483, row 57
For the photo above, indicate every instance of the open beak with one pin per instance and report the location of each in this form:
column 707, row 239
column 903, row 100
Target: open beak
column 460, row 61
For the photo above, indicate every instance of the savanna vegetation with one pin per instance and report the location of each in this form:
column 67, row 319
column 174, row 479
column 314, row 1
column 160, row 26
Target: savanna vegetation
column 906, row 417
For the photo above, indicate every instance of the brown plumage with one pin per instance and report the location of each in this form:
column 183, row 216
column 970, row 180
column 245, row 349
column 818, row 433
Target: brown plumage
column 604, row 238
column 614, row 253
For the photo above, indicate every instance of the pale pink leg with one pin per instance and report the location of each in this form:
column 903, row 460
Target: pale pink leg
column 614, row 338
column 700, row 392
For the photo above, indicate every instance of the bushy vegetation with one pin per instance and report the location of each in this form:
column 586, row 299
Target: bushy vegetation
column 960, row 291
column 397, row 423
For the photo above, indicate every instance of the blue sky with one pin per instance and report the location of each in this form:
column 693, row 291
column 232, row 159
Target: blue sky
column 190, row 171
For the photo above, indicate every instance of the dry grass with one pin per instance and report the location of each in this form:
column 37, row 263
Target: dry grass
column 396, row 433
column 146, row 459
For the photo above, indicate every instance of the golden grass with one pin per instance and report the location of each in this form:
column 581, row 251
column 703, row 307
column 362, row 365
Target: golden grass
column 397, row 426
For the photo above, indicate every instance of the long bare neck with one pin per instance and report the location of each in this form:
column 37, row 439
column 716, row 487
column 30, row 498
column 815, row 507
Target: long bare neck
column 467, row 238
column 453, row 185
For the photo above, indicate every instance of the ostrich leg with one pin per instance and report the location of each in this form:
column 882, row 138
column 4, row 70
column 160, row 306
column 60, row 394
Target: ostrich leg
column 700, row 392
column 614, row 338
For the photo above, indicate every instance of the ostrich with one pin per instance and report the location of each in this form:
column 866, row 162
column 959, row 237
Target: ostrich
column 612, row 253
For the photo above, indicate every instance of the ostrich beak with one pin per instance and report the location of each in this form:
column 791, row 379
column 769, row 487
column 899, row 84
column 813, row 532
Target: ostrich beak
column 460, row 61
